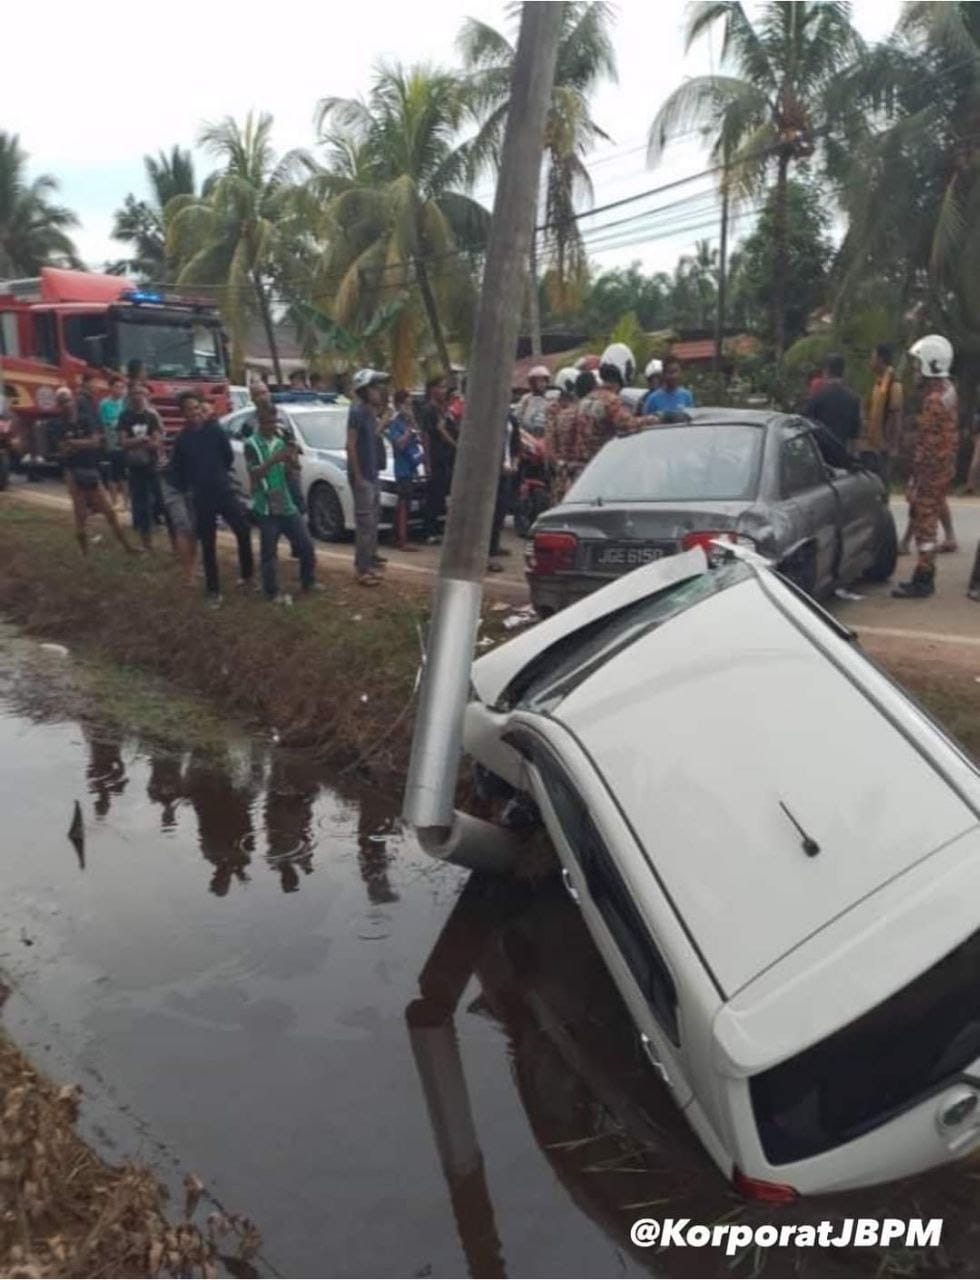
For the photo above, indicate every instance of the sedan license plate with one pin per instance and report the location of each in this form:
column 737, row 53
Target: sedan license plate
column 619, row 557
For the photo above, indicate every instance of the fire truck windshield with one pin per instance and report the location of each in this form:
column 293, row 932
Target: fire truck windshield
column 170, row 346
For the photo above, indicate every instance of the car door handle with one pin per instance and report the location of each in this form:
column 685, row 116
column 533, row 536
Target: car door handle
column 570, row 889
column 650, row 1050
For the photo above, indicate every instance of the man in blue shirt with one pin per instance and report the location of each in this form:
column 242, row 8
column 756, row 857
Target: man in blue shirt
column 671, row 397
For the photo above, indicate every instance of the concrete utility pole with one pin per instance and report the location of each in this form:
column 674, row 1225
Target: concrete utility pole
column 437, row 744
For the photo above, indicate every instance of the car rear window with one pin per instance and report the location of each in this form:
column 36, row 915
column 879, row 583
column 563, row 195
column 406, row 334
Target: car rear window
column 912, row 1045
column 690, row 463
column 326, row 430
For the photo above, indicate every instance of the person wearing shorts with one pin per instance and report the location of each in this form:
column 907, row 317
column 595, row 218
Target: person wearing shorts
column 110, row 411
column 82, row 451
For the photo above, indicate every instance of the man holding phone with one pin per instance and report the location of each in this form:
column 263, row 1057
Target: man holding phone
column 269, row 462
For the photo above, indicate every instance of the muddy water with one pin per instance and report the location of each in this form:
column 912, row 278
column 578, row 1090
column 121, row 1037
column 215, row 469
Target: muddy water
column 393, row 1070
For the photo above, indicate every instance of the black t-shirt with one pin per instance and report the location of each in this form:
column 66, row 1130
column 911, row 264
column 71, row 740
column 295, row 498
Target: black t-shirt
column 441, row 454
column 838, row 409
column 202, row 460
column 137, row 424
column 78, row 459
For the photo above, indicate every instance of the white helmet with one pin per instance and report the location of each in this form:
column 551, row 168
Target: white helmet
column 654, row 369
column 565, row 380
column 539, row 371
column 934, row 354
column 619, row 355
column 367, row 377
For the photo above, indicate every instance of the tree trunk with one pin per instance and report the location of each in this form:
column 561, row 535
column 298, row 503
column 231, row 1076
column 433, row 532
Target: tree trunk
column 432, row 315
column 534, row 292
column 779, row 235
column 270, row 335
column 722, row 273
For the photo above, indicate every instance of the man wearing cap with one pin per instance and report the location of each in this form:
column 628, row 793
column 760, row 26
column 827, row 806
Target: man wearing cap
column 362, row 471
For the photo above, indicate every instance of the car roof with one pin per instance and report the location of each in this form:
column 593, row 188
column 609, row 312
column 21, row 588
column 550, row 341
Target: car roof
column 729, row 739
column 727, row 417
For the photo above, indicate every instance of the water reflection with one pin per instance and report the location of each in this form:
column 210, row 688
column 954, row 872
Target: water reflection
column 372, row 854
column 290, row 797
column 106, row 772
column 165, row 785
column 223, row 806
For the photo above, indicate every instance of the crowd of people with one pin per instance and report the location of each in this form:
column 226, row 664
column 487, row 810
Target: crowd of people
column 114, row 449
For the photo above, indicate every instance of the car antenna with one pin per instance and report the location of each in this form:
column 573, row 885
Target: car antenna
column 810, row 846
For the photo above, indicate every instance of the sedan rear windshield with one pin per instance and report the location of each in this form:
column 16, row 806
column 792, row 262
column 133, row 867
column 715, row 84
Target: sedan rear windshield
column 914, row 1044
column 676, row 464
column 326, row 430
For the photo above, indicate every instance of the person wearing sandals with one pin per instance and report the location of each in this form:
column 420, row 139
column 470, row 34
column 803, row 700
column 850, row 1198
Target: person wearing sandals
column 362, row 471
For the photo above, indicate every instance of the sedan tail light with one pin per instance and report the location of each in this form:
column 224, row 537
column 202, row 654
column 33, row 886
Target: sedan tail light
column 705, row 537
column 759, row 1189
column 552, row 552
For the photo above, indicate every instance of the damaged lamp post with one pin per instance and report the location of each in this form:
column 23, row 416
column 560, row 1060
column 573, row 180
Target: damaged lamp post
column 437, row 743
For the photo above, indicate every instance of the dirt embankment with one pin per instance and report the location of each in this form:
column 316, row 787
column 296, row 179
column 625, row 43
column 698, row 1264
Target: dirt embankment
column 335, row 672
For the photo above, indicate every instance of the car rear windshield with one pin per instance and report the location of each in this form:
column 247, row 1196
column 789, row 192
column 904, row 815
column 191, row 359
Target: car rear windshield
column 552, row 674
column 690, row 463
column 326, row 430
column 914, row 1044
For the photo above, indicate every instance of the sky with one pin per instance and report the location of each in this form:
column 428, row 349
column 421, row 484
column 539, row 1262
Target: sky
column 120, row 80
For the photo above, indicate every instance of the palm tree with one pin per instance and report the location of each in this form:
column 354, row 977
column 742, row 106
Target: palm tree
column 585, row 57
column 913, row 192
column 139, row 223
column 773, row 106
column 398, row 221
column 235, row 235
column 33, row 231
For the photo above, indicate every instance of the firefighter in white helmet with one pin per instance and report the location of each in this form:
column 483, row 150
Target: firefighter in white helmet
column 532, row 408
column 602, row 413
column 561, row 434
column 934, row 462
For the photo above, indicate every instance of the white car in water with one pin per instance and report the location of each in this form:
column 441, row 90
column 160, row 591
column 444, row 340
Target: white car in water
column 777, row 853
column 320, row 429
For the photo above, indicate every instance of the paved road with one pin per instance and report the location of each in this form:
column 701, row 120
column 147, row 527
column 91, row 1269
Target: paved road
column 948, row 616
column 949, row 613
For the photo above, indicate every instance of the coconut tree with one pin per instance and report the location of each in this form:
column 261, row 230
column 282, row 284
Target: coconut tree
column 912, row 192
column 585, row 58
column 398, row 222
column 139, row 223
column 772, row 105
column 236, row 235
column 33, row 230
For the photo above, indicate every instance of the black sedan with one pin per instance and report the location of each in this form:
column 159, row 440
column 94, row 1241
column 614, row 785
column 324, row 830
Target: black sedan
column 771, row 481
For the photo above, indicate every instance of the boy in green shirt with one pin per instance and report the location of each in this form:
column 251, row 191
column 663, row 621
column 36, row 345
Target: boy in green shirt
column 110, row 411
column 269, row 459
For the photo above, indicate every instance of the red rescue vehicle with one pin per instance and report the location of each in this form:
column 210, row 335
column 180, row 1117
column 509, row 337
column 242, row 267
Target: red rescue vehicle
column 55, row 327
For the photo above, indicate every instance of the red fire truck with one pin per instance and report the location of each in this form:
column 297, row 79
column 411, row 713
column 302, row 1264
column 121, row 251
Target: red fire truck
column 55, row 327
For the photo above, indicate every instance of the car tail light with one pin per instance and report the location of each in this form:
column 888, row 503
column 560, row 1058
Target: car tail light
column 705, row 537
column 552, row 552
column 759, row 1189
